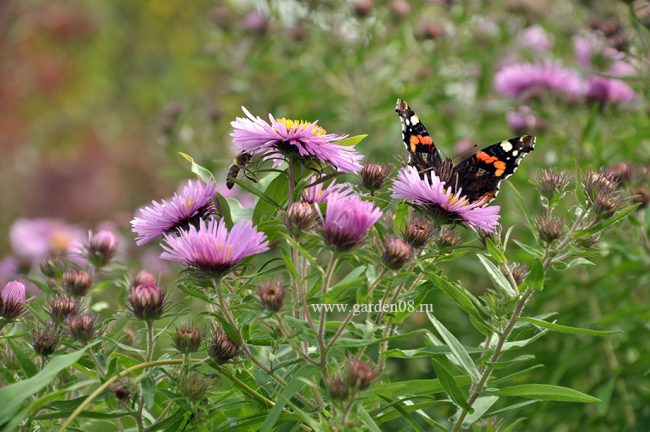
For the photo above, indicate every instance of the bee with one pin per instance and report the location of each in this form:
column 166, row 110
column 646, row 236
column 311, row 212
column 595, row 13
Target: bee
column 239, row 164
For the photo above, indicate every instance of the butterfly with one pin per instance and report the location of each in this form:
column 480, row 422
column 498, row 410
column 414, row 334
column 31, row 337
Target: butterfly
column 477, row 177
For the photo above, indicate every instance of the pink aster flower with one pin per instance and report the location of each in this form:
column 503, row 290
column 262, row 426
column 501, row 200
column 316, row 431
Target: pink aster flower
column 192, row 203
column 347, row 220
column 535, row 38
column 317, row 193
column 12, row 300
column 609, row 91
column 34, row 239
column 529, row 79
column 212, row 249
column 254, row 135
column 592, row 52
column 432, row 195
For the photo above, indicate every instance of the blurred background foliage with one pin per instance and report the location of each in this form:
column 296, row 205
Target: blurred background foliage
column 98, row 98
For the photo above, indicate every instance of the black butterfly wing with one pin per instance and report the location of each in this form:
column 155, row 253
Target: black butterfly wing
column 423, row 153
column 479, row 175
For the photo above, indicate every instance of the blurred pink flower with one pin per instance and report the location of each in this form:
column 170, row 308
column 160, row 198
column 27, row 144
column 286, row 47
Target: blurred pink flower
column 34, row 239
column 523, row 121
column 609, row 90
column 529, row 79
column 535, row 38
column 9, row 268
column 590, row 51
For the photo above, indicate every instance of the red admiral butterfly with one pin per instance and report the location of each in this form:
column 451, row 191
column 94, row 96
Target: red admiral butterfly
column 479, row 175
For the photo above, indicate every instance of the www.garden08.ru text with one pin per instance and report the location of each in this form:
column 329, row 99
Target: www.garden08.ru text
column 401, row 306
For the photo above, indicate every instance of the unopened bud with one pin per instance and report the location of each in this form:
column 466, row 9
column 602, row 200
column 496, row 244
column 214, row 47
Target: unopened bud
column 400, row 8
column 396, row 253
column 143, row 277
column 338, row 389
column 255, row 22
column 549, row 182
column 147, row 301
column 361, row 374
column 519, row 273
column 623, row 172
column 122, row 392
column 221, row 347
column 448, row 238
column 271, row 296
column 61, row 308
column 101, row 247
column 300, row 217
column 12, row 300
column 45, row 340
column 187, row 339
column 641, row 196
column 374, row 175
column 363, row 8
column 77, row 282
column 52, row 266
column 549, row 228
column 193, row 386
column 82, row 327
column 418, row 232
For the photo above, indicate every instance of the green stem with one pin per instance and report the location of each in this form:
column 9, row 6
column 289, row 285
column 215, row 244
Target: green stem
column 148, row 358
column 245, row 387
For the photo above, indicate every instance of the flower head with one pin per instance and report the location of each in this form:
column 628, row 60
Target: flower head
column 187, row 339
column 593, row 53
column 417, row 233
column 147, row 301
column 527, row 80
column 396, row 253
column 82, row 327
column 34, row 239
column 535, row 38
column 347, row 219
column 221, row 348
column 605, row 90
column 77, row 282
column 101, row 247
column 300, row 217
column 166, row 216
column 271, row 296
column 360, row 373
column 212, row 248
column 62, row 307
column 373, row 175
column 432, row 194
column 46, row 339
column 254, row 135
column 12, row 300
column 316, row 193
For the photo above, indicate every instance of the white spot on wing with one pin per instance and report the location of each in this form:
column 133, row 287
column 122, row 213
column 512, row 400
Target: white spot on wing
column 414, row 119
column 515, row 152
column 506, row 146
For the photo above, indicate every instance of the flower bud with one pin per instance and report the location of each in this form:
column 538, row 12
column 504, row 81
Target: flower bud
column 147, row 301
column 187, row 339
column 143, row 277
column 641, row 196
column 361, row 374
column 122, row 392
column 449, row 238
column 52, row 266
column 373, row 175
column 299, row 32
column 61, row 308
column 193, row 386
column 82, row 327
column 623, row 172
column 338, row 389
column 400, row 8
column 221, row 347
column 549, row 228
column 418, row 232
column 363, row 8
column 429, row 30
column 101, row 247
column 271, row 296
column 519, row 273
column 45, row 340
column 76, row 282
column 550, row 182
column 396, row 253
column 255, row 22
column 606, row 205
column 300, row 217
column 598, row 185
column 12, row 300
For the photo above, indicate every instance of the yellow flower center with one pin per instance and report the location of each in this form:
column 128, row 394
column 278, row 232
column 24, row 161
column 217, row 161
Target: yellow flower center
column 60, row 242
column 221, row 245
column 188, row 204
column 288, row 123
column 453, row 200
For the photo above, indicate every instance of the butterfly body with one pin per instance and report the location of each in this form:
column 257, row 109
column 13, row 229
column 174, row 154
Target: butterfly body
column 477, row 177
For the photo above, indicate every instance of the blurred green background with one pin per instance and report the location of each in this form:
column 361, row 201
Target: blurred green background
column 98, row 98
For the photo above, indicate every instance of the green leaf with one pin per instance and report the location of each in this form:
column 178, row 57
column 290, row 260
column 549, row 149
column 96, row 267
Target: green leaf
column 537, row 253
column 275, row 193
column 414, row 387
column 351, row 141
column 498, row 279
column 566, row 329
column 457, row 349
column 535, row 278
column 481, row 405
column 26, row 364
column 444, row 371
column 496, row 253
column 224, row 209
column 404, row 414
column 13, row 395
column 546, row 392
column 203, row 173
column 582, row 234
column 293, row 386
column 368, row 421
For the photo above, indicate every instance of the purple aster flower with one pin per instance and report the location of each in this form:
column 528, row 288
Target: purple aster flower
column 12, row 300
column 347, row 219
column 523, row 120
column 212, row 248
column 527, row 80
column 34, row 239
column 192, row 203
column 318, row 194
column 254, row 135
column 609, row 90
column 9, row 267
column 592, row 52
column 432, row 195
column 535, row 38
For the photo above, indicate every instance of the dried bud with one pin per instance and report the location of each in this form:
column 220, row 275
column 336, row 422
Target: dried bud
column 300, row 217
column 101, row 247
column 551, row 182
column 361, row 374
column 396, row 253
column 221, row 347
column 82, row 327
column 12, row 300
column 143, row 277
column 62, row 307
column 400, row 8
column 76, row 282
column 45, row 340
column 519, row 273
column 193, row 386
column 52, row 266
column 271, row 296
column 187, row 339
column 418, row 232
column 448, row 238
column 147, row 301
column 122, row 392
column 363, row 8
column 549, row 228
column 623, row 172
column 598, row 185
column 373, row 175
column 338, row 389
column 605, row 206
column 641, row 195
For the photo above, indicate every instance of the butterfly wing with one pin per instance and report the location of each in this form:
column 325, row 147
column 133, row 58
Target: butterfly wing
column 480, row 175
column 423, row 153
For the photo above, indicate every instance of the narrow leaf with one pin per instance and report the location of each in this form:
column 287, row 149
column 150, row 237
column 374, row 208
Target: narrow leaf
column 566, row 329
column 457, row 349
column 546, row 392
column 497, row 277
